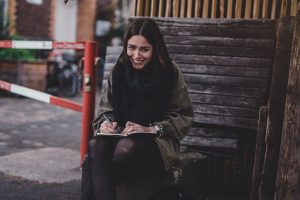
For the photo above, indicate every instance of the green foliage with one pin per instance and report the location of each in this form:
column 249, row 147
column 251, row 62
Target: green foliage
column 17, row 54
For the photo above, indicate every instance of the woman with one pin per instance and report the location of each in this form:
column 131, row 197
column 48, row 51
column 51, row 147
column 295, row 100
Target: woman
column 146, row 100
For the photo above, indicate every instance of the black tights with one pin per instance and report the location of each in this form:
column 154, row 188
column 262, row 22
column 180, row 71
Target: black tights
column 112, row 160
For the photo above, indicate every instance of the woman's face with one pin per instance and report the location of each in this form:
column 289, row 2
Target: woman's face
column 139, row 51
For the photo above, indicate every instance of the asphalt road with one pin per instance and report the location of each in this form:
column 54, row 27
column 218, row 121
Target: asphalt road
column 39, row 150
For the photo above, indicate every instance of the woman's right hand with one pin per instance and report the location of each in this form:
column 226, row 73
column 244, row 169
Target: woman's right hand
column 107, row 127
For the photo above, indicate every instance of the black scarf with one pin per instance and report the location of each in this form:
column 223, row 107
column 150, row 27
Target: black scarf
column 141, row 96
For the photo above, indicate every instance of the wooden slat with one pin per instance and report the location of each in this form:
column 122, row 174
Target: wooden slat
column 222, row 60
column 238, row 9
column 226, row 71
column 198, row 8
column 248, row 113
column 283, row 10
column 175, row 8
column 161, row 8
column 265, row 8
column 222, row 9
column 153, row 8
column 225, row 121
column 273, row 12
column 294, row 8
column 209, row 142
column 205, row 9
column 225, row 80
column 168, row 12
column 189, row 8
column 214, row 131
column 221, row 51
column 236, row 32
column 225, row 100
column 253, row 23
column 214, row 9
column 140, row 8
column 256, row 9
column 229, row 9
column 212, row 60
column 248, row 9
column 227, row 90
column 133, row 8
column 182, row 8
column 218, row 41
column 147, row 8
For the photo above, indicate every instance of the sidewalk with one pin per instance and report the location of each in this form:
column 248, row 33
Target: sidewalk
column 39, row 150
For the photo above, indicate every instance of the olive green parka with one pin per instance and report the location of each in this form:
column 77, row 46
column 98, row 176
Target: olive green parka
column 176, row 121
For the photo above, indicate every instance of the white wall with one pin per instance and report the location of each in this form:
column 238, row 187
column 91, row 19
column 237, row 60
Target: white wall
column 65, row 21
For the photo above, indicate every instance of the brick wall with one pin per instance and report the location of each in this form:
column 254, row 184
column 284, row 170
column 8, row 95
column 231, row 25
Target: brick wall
column 34, row 21
column 86, row 19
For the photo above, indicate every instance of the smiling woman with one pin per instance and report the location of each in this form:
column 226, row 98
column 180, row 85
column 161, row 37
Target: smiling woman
column 147, row 99
column 139, row 51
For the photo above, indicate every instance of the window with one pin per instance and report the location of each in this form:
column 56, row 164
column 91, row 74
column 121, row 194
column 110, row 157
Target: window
column 35, row 2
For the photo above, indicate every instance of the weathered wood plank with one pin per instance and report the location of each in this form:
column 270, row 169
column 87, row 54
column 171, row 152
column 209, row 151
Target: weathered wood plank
column 273, row 11
column 248, row 9
column 254, row 23
column 182, row 8
column 219, row 41
column 212, row 60
column 218, row 60
column 259, row 152
column 153, row 8
column 205, row 9
column 233, row 101
column 216, row 131
column 256, row 9
column 237, row 32
column 238, row 9
column 176, row 8
column 276, row 105
column 225, row 80
column 225, row 121
column 229, row 9
column 250, row 52
column 226, row 70
column 227, row 90
column 210, row 142
column 288, row 173
column 249, row 113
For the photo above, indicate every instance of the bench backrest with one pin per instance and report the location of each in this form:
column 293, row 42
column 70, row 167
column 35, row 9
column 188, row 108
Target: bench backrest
column 227, row 66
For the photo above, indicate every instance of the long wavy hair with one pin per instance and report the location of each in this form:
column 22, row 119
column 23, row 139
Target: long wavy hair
column 147, row 28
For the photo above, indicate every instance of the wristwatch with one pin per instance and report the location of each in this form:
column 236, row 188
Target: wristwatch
column 159, row 129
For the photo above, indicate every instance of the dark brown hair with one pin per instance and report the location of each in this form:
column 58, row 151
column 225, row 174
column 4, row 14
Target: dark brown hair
column 147, row 28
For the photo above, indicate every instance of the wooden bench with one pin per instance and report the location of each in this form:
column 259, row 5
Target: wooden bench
column 227, row 66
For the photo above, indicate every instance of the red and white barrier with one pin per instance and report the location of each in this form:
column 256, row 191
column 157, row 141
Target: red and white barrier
column 18, row 44
column 40, row 96
column 89, row 87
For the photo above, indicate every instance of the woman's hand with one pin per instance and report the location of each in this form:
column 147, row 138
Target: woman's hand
column 134, row 128
column 107, row 127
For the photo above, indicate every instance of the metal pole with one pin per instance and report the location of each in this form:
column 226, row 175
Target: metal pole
column 89, row 89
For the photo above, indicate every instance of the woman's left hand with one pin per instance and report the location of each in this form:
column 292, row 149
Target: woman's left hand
column 134, row 128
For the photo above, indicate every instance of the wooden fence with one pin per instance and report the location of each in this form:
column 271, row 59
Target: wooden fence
column 247, row 9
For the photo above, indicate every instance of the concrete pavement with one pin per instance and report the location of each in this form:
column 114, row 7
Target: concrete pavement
column 39, row 150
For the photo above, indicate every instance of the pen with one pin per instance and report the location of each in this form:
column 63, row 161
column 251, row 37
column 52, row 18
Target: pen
column 106, row 119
